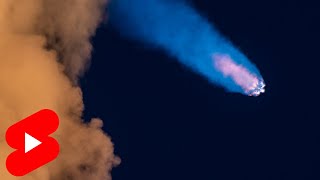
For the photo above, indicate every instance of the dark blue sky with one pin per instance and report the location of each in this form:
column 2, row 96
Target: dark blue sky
column 170, row 123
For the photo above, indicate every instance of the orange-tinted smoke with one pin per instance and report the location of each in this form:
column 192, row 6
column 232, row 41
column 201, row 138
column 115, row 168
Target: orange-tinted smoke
column 44, row 47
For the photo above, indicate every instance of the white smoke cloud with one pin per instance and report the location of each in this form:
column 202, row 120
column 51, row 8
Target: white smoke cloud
column 44, row 47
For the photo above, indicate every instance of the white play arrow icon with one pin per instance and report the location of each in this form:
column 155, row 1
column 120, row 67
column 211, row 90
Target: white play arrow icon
column 30, row 142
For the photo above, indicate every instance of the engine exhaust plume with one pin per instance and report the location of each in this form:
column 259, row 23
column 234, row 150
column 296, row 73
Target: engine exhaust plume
column 250, row 83
column 176, row 27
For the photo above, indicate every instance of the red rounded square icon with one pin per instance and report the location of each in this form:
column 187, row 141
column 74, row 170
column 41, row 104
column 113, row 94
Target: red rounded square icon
column 30, row 138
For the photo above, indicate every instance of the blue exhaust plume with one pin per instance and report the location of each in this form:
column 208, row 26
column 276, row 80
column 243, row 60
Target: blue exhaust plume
column 174, row 26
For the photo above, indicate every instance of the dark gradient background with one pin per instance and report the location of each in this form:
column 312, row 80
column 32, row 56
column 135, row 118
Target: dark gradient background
column 169, row 123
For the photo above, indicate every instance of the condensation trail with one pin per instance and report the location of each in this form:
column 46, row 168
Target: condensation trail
column 177, row 28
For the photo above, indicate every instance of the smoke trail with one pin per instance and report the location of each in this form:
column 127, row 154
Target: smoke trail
column 40, row 42
column 182, row 32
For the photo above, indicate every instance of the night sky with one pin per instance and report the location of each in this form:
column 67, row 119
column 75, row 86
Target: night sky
column 169, row 123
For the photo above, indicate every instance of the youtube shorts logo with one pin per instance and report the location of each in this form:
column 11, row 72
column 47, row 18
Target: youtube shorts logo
column 33, row 146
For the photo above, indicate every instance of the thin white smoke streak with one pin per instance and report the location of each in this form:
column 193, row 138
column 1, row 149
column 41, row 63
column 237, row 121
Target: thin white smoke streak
column 32, row 78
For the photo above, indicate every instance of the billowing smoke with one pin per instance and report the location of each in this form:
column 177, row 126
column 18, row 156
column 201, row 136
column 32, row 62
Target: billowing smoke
column 176, row 27
column 68, row 24
column 44, row 47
